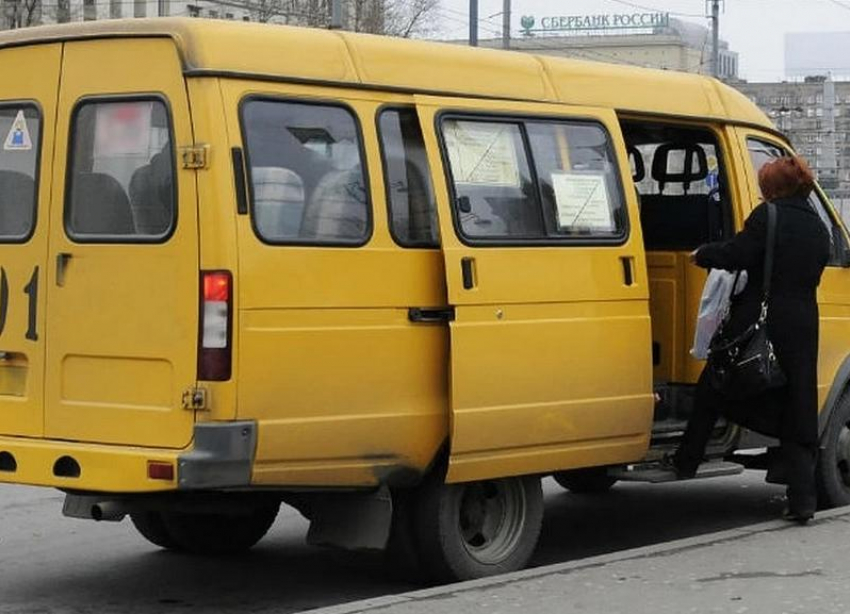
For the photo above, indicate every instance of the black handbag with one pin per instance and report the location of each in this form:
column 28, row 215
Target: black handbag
column 746, row 365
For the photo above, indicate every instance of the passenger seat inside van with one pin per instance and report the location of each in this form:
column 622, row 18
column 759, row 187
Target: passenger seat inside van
column 100, row 206
column 278, row 202
column 152, row 195
column 337, row 207
column 17, row 192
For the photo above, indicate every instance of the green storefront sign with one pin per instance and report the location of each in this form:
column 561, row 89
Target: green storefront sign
column 576, row 23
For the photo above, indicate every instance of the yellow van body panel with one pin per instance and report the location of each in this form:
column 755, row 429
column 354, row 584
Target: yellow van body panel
column 344, row 388
column 103, row 468
column 216, row 222
column 342, row 57
column 122, row 327
column 534, row 341
column 31, row 74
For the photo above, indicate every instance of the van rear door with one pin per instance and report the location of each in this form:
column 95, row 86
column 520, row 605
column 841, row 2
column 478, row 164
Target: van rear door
column 27, row 118
column 550, row 344
column 123, row 280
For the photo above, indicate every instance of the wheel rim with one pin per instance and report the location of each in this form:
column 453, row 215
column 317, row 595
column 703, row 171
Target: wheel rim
column 842, row 455
column 492, row 517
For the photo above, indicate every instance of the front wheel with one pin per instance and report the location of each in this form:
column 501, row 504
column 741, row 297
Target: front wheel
column 477, row 529
column 833, row 468
column 216, row 534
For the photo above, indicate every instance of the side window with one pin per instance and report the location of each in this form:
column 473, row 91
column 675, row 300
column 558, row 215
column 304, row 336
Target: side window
column 578, row 180
column 533, row 181
column 20, row 128
column 761, row 153
column 307, row 177
column 121, row 184
column 410, row 195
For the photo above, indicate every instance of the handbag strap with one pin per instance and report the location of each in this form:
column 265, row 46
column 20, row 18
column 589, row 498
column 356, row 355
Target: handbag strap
column 768, row 254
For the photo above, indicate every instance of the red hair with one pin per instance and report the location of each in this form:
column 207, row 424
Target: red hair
column 784, row 177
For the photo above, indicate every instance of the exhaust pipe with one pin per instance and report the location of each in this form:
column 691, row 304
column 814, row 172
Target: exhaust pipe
column 110, row 511
column 88, row 507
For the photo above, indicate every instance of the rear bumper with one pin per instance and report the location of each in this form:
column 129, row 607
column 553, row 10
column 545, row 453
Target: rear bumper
column 220, row 456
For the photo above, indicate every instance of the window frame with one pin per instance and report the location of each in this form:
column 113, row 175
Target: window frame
column 834, row 258
column 134, row 239
column 364, row 162
column 34, row 104
column 390, row 219
column 521, row 119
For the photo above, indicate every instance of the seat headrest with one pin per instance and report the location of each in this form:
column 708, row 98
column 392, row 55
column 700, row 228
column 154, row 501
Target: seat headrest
column 637, row 163
column 691, row 152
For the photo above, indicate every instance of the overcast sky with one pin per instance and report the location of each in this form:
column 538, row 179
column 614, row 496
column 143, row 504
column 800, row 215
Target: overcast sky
column 753, row 28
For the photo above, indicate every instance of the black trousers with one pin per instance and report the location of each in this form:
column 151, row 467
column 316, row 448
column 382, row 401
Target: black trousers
column 799, row 459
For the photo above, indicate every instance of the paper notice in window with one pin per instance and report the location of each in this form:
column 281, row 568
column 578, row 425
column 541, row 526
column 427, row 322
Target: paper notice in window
column 122, row 129
column 482, row 153
column 582, row 201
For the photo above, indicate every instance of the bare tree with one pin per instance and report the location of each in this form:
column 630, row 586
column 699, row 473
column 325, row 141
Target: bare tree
column 21, row 13
column 405, row 18
column 408, row 18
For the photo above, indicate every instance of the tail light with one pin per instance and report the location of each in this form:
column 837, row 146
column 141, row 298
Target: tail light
column 214, row 342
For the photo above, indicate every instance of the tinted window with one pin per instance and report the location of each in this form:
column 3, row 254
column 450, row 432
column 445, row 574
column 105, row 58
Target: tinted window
column 761, row 153
column 533, row 181
column 121, row 181
column 20, row 128
column 413, row 215
column 306, row 171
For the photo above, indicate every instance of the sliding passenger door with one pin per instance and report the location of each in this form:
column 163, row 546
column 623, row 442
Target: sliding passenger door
column 550, row 342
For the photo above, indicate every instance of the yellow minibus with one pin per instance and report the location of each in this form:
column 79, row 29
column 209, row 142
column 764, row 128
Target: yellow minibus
column 391, row 283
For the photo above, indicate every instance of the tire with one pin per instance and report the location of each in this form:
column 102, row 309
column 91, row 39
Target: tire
column 152, row 527
column 477, row 529
column 832, row 475
column 218, row 534
column 585, row 481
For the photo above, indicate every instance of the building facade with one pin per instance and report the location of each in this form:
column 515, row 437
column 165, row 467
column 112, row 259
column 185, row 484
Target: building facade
column 815, row 115
column 653, row 40
column 363, row 15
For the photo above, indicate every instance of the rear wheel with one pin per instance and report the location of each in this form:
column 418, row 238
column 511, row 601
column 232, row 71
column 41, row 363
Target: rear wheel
column 478, row 529
column 214, row 534
column 152, row 527
column 585, row 481
column 833, row 468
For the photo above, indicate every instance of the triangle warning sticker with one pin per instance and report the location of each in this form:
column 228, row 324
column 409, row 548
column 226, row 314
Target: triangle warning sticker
column 18, row 138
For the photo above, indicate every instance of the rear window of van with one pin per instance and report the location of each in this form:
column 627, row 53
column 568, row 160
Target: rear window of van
column 20, row 128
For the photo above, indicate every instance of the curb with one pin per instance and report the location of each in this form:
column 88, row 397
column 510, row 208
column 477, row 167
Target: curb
column 655, row 550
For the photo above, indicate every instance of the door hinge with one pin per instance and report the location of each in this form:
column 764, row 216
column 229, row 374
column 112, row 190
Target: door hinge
column 195, row 156
column 196, row 398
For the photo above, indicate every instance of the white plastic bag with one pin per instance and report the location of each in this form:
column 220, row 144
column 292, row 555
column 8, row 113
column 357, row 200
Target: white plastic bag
column 713, row 307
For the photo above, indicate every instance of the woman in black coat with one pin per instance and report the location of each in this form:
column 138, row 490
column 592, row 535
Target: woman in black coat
column 800, row 254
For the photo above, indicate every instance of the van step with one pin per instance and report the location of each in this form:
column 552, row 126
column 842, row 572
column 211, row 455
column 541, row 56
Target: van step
column 655, row 473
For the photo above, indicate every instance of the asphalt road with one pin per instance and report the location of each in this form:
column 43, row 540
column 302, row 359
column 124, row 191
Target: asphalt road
column 55, row 565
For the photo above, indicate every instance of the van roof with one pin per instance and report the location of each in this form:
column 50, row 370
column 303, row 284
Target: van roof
column 315, row 55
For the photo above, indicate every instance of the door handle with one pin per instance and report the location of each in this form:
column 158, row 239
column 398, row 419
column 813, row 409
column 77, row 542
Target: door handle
column 467, row 272
column 628, row 273
column 62, row 260
column 425, row 315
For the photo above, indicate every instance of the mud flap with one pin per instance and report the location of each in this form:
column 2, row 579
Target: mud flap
column 351, row 521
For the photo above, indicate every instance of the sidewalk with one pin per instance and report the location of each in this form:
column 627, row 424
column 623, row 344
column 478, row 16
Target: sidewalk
column 772, row 568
